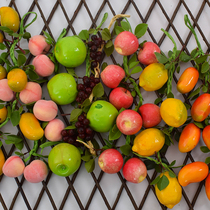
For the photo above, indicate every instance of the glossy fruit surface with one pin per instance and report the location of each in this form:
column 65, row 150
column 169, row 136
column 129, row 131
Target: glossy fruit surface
column 189, row 138
column 173, row 112
column 148, row 141
column 102, row 115
column 30, row 126
column 172, row 194
column 70, row 51
column 187, row 80
column 206, row 136
column 193, row 172
column 201, row 107
column 3, row 72
column 62, row 88
column 2, row 161
column 3, row 114
column 64, row 159
column 207, row 186
column 153, row 77
column 17, row 79
column 9, row 18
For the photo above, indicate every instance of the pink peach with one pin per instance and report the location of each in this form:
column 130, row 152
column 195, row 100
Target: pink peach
column 38, row 45
column 112, row 75
column 31, row 93
column 6, row 94
column 13, row 166
column 45, row 110
column 53, row 130
column 36, row 171
column 44, row 67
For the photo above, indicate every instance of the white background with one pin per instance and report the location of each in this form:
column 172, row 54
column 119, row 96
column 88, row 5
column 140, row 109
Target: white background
column 110, row 184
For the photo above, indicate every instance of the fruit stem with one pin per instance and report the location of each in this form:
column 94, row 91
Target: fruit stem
column 89, row 145
column 115, row 18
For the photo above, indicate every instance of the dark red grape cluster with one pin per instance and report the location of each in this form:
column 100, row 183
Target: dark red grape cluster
column 85, row 89
column 82, row 131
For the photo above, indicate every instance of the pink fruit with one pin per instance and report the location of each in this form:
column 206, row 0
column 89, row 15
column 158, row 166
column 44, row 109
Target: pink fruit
column 31, row 93
column 112, row 75
column 45, row 110
column 6, row 94
column 13, row 167
column 150, row 114
column 146, row 55
column 44, row 67
column 129, row 122
column 53, row 130
column 110, row 161
column 38, row 45
column 36, row 171
column 121, row 98
column 126, row 43
column 134, row 170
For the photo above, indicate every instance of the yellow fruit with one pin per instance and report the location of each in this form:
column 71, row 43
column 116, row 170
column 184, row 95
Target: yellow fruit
column 173, row 112
column 2, row 161
column 3, row 114
column 9, row 18
column 17, row 80
column 153, row 77
column 172, row 194
column 149, row 141
column 3, row 72
column 1, row 37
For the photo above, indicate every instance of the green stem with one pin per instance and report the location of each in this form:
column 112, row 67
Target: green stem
column 102, row 22
column 35, row 148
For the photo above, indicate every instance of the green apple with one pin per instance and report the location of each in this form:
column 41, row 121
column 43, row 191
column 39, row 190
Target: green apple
column 70, row 51
column 102, row 116
column 62, row 88
column 64, row 159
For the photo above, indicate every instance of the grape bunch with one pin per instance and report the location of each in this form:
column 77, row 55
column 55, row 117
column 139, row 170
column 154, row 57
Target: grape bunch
column 85, row 89
column 82, row 131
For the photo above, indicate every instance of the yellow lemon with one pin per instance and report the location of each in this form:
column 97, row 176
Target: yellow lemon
column 172, row 194
column 3, row 114
column 3, row 72
column 153, row 77
column 2, row 161
column 149, row 141
column 17, row 79
column 173, row 112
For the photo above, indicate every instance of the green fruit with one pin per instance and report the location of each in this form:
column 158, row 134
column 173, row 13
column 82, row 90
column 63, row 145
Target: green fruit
column 64, row 159
column 70, row 51
column 62, row 88
column 102, row 116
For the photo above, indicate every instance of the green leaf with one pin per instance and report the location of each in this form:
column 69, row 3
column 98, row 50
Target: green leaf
column 170, row 95
column 201, row 59
column 19, row 145
column 26, row 35
column 187, row 106
column 86, row 157
column 137, row 69
column 133, row 93
column 98, row 90
column 195, row 92
column 32, row 74
column 70, row 127
column 86, row 103
column 6, row 30
column 106, row 35
column 205, row 89
column 103, row 66
column 15, row 117
column 161, row 58
column 194, row 53
column 205, row 67
column 132, row 59
column 114, row 133
column 49, row 144
column 126, row 149
column 71, row 71
column 207, row 161
column 133, row 64
column 184, row 57
column 13, row 139
column 118, row 30
column 172, row 174
column 163, row 183
column 75, row 114
column 109, row 44
column 21, row 59
column 48, row 39
column 158, row 100
column 149, row 164
column 204, row 149
column 1, row 144
column 199, row 124
column 125, row 25
column 84, row 35
column 2, row 46
column 140, row 30
column 1, row 106
column 108, row 51
column 155, row 181
column 172, row 163
column 90, row 165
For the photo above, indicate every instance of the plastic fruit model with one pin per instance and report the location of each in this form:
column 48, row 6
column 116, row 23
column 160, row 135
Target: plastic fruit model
column 6, row 94
column 2, row 161
column 70, row 51
column 102, row 116
column 62, row 88
column 134, row 170
column 206, row 136
column 64, row 159
column 3, row 114
column 110, row 161
column 3, row 72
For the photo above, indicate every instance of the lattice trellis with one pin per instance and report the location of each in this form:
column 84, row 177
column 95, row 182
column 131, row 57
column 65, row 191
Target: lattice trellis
column 140, row 11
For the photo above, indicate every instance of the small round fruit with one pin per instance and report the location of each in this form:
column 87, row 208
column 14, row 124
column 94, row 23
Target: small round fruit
column 173, row 112
column 102, row 115
column 62, row 88
column 134, row 170
column 3, row 114
column 64, row 159
column 17, row 79
column 3, row 72
column 110, row 161
column 70, row 51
